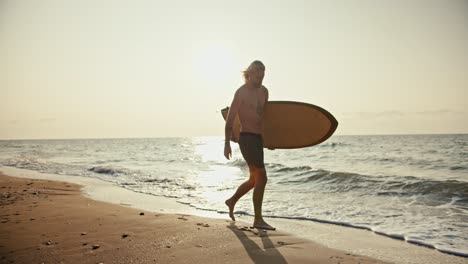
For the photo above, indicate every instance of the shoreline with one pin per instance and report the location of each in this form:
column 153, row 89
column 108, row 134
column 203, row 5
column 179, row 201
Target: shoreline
column 344, row 239
column 51, row 222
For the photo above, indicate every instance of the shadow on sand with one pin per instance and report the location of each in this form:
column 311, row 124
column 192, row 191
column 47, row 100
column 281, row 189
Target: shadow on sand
column 267, row 254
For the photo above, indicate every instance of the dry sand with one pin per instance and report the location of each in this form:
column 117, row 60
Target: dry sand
column 51, row 222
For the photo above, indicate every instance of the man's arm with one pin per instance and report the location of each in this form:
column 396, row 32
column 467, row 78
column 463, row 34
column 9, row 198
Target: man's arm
column 233, row 111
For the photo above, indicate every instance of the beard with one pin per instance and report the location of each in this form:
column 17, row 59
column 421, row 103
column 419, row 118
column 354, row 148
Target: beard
column 256, row 83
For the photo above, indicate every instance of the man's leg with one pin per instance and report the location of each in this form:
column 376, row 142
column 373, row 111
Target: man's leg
column 259, row 189
column 241, row 191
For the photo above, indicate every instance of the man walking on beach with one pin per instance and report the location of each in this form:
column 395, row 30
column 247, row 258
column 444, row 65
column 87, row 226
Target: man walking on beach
column 248, row 103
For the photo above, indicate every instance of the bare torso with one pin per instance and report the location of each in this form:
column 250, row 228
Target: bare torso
column 249, row 103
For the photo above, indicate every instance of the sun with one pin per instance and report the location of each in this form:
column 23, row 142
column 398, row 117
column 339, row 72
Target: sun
column 215, row 63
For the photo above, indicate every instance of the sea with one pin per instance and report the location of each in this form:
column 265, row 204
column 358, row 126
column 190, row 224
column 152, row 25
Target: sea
column 408, row 187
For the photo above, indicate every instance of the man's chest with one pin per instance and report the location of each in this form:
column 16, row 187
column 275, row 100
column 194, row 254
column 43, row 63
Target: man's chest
column 254, row 101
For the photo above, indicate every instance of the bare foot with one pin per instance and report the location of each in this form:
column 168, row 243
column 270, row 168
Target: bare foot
column 263, row 225
column 230, row 205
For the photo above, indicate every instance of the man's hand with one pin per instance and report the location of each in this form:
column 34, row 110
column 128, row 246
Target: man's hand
column 227, row 151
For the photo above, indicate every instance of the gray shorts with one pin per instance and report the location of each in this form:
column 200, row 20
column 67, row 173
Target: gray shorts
column 251, row 146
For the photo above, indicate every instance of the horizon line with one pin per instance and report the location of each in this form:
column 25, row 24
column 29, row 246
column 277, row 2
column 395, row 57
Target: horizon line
column 110, row 138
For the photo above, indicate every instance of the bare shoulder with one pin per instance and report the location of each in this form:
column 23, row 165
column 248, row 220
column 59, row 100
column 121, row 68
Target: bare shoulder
column 265, row 90
column 241, row 90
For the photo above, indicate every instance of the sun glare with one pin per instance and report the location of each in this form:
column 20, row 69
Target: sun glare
column 215, row 63
column 219, row 174
column 210, row 149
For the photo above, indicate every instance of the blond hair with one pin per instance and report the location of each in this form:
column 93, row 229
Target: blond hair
column 255, row 65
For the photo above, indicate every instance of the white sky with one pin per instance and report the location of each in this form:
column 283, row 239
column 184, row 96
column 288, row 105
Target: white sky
column 80, row 69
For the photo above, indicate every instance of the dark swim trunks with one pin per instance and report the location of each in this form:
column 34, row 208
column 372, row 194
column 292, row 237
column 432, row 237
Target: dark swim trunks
column 251, row 146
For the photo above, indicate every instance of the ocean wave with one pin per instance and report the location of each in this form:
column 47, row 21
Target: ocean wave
column 458, row 167
column 105, row 170
column 29, row 164
column 329, row 181
column 379, row 185
column 447, row 188
column 14, row 146
column 164, row 180
column 127, row 183
column 305, row 174
column 280, row 168
column 273, row 166
column 293, row 169
column 333, row 144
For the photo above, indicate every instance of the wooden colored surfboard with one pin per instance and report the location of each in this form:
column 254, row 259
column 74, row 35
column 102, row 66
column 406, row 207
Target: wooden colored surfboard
column 288, row 125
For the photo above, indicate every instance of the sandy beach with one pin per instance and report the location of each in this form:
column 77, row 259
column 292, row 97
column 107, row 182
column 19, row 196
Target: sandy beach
column 47, row 220
column 51, row 222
